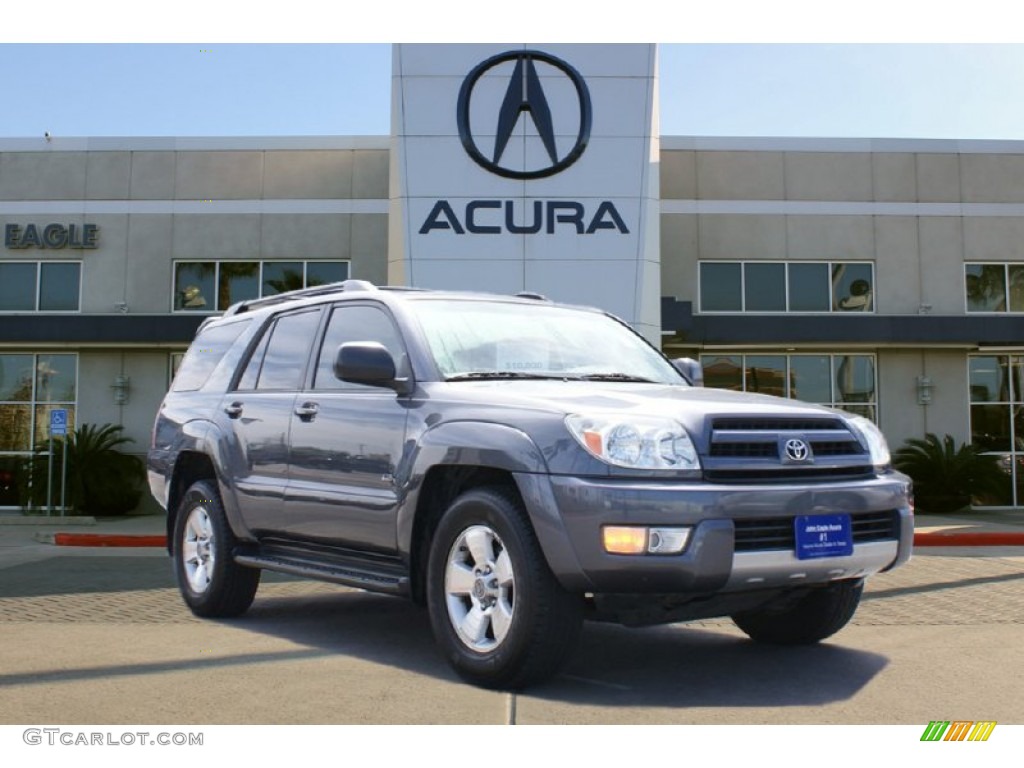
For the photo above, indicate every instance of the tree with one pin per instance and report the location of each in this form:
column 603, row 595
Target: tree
column 947, row 478
column 101, row 480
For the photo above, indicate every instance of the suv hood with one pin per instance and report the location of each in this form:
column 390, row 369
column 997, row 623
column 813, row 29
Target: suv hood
column 689, row 405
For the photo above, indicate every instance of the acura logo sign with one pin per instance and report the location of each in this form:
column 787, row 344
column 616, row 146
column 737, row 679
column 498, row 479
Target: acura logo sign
column 524, row 98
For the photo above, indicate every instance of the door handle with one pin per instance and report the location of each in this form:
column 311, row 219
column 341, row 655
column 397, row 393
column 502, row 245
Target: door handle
column 234, row 410
column 307, row 411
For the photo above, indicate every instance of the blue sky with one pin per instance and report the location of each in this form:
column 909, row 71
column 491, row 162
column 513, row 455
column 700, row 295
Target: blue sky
column 874, row 68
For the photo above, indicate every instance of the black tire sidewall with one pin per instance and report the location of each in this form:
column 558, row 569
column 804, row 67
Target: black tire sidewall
column 490, row 508
column 203, row 494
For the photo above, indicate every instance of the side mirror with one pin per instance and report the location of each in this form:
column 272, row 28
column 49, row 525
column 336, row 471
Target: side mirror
column 691, row 369
column 369, row 363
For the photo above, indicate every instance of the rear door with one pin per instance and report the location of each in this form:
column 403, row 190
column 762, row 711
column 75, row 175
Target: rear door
column 258, row 412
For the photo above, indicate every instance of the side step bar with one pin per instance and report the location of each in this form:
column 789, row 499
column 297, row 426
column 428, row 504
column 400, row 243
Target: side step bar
column 391, row 583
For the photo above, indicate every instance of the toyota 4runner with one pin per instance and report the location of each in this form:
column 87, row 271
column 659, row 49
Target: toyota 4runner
column 517, row 466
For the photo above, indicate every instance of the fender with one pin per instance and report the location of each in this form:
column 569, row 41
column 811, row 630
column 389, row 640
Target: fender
column 496, row 446
column 205, row 437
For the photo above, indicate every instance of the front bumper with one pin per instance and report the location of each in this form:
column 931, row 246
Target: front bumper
column 569, row 513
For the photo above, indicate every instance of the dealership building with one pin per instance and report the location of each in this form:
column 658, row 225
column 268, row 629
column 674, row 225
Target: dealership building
column 882, row 276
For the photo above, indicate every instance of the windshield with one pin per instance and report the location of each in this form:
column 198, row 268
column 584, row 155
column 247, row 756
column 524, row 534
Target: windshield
column 479, row 340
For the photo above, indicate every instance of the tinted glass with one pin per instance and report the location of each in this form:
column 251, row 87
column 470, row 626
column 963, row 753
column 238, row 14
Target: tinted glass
column 238, row 281
column 810, row 378
column 15, row 427
column 988, row 379
column 282, row 276
column 202, row 357
column 363, row 323
column 766, row 374
column 855, row 379
column 18, row 287
column 323, row 272
column 16, row 378
column 285, row 360
column 55, row 378
column 985, row 285
column 1016, row 280
column 194, row 286
column 852, row 288
column 723, row 371
column 251, row 374
column 765, row 287
column 808, row 288
column 720, row 287
column 58, row 287
column 990, row 427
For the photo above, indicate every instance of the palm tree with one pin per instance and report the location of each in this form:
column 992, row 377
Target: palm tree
column 947, row 478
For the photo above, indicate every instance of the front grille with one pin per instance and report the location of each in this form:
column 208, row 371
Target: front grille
column 775, row 424
column 782, row 474
column 745, row 450
column 763, row 450
column 759, row 535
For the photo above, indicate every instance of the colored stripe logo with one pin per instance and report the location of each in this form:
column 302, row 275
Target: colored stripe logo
column 958, row 730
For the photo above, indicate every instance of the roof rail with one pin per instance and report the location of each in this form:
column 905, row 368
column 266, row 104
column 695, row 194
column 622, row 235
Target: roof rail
column 532, row 295
column 302, row 293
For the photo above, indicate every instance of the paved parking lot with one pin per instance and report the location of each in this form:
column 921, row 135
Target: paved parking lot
column 102, row 637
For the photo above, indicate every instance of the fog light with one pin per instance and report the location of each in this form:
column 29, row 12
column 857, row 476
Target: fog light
column 624, row 540
column 667, row 541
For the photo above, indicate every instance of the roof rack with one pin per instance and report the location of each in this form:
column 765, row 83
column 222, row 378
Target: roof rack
column 302, row 293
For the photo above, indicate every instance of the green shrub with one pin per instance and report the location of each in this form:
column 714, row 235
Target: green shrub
column 101, row 480
column 946, row 477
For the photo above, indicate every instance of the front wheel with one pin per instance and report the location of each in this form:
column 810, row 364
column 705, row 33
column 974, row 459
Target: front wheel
column 498, row 613
column 212, row 584
column 820, row 613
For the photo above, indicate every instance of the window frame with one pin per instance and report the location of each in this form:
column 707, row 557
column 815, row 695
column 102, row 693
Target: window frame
column 39, row 286
column 829, row 287
column 211, row 307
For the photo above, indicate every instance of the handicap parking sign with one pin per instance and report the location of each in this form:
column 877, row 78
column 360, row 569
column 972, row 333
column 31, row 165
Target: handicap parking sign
column 58, row 422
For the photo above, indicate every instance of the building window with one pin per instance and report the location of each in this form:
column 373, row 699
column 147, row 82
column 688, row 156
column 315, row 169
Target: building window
column 40, row 286
column 31, row 385
column 997, row 416
column 994, row 287
column 213, row 286
column 839, row 381
column 768, row 286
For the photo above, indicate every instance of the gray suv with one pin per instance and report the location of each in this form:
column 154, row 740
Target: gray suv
column 517, row 466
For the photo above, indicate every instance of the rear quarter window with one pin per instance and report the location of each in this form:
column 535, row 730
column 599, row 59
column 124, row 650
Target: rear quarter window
column 207, row 350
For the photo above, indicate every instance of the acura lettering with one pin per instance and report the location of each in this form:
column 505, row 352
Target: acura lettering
column 495, row 217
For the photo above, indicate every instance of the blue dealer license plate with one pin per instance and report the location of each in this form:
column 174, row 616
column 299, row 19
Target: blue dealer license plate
column 823, row 536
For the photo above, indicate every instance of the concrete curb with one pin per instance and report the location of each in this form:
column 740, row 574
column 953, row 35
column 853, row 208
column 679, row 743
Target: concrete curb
column 103, row 540
column 968, row 539
column 43, row 520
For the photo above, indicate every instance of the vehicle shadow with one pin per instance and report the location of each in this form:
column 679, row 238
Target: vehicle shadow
column 674, row 666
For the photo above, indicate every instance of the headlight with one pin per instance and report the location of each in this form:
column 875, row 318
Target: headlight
column 874, row 440
column 635, row 442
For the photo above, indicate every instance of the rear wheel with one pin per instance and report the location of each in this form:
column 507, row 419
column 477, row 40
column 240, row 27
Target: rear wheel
column 818, row 614
column 211, row 582
column 498, row 613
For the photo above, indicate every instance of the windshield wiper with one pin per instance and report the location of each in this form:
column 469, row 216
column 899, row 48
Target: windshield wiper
column 615, row 377
column 484, row 375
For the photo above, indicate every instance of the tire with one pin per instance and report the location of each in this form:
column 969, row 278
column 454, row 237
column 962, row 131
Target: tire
column 212, row 584
column 819, row 614
column 499, row 615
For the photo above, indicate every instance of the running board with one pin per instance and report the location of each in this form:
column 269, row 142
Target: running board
column 348, row 575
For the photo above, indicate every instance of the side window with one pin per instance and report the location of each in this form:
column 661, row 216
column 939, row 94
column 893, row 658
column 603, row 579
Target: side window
column 279, row 360
column 356, row 323
column 202, row 357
